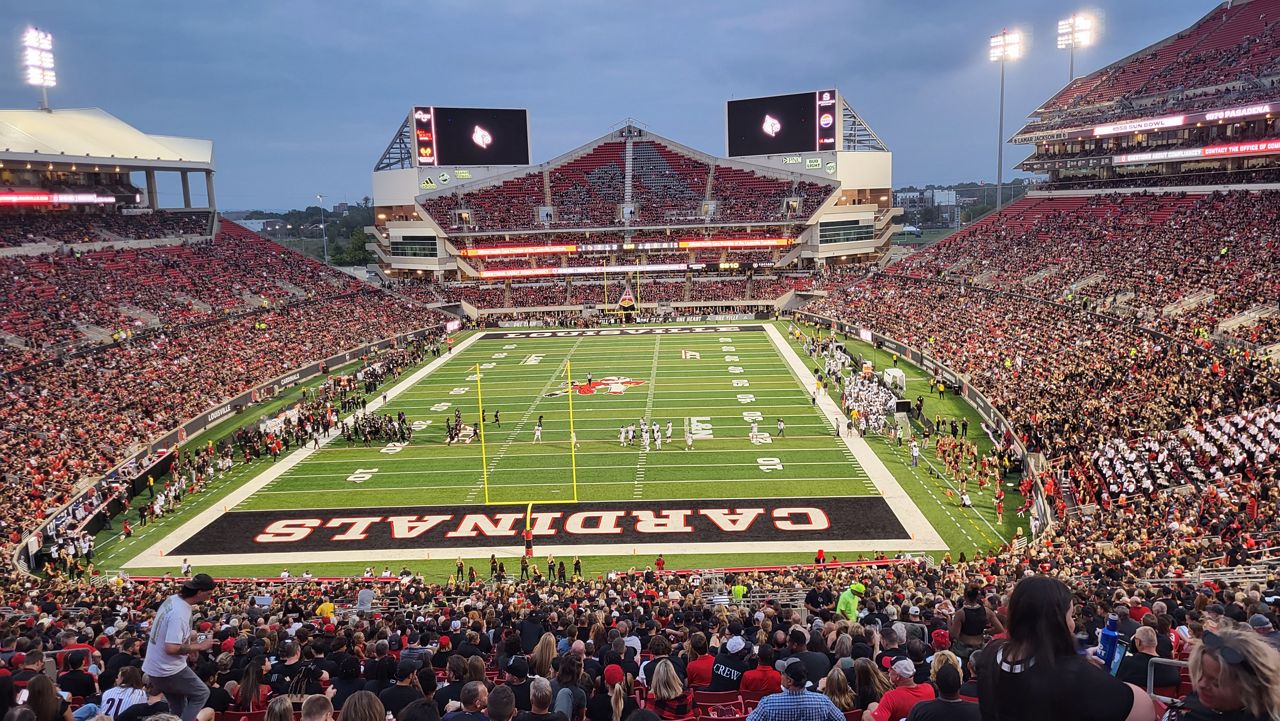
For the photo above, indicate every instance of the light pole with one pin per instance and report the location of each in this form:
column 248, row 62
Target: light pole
column 1078, row 31
column 324, row 232
column 1005, row 46
column 37, row 62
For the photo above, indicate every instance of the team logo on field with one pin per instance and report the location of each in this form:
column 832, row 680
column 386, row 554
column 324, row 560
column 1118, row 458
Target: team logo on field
column 612, row 385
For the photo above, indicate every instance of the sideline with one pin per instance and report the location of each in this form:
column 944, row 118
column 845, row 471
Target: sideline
column 924, row 536
column 157, row 554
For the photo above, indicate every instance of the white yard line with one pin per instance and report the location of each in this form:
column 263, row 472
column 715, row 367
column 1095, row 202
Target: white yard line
column 156, row 554
column 909, row 515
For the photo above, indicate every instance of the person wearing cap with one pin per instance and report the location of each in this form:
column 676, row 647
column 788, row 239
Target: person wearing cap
column 906, row 693
column 730, row 664
column 517, row 669
column 169, row 644
column 795, row 703
column 612, row 700
column 850, row 599
column 403, row 692
column 1262, row 626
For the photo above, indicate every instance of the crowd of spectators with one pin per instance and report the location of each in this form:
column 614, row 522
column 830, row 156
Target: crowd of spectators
column 71, row 228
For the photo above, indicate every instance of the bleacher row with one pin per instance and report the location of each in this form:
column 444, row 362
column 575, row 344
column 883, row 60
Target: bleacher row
column 71, row 228
column 667, row 188
column 50, row 299
column 1234, row 45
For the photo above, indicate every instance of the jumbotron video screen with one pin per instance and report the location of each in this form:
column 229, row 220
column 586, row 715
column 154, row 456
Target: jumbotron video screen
column 795, row 123
column 471, row 136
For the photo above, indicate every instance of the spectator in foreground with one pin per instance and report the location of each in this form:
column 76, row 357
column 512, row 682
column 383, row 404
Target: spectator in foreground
column 127, row 692
column 1235, row 675
column 471, row 704
column 43, row 699
column 317, row 707
column 1036, row 673
column 948, row 706
column 612, row 700
column 540, row 701
column 170, row 643
column 795, row 703
column 837, row 689
column 1133, row 669
column 671, row 699
column 502, row 704
column 868, row 683
column 905, row 694
column 363, row 706
column 280, row 709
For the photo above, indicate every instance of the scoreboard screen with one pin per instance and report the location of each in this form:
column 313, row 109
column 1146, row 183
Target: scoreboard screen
column 471, row 136
column 796, row 123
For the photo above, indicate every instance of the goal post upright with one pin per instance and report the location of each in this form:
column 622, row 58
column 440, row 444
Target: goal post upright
column 573, row 445
column 484, row 458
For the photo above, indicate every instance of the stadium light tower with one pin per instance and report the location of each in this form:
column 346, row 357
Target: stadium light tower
column 324, row 231
column 1005, row 46
column 1078, row 31
column 37, row 62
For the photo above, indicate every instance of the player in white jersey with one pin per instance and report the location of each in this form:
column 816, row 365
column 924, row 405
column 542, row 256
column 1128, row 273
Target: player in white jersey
column 631, row 434
column 573, row 438
column 622, row 435
column 537, row 431
column 755, row 428
column 688, row 439
column 657, row 441
column 644, row 441
column 668, row 431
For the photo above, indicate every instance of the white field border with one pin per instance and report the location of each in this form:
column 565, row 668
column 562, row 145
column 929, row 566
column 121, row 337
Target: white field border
column 923, row 535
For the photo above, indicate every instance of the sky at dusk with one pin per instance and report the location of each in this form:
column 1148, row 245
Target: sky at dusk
column 301, row 98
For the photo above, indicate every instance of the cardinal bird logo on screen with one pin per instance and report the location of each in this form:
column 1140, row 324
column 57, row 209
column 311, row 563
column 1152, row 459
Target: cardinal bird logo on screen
column 481, row 137
column 771, row 126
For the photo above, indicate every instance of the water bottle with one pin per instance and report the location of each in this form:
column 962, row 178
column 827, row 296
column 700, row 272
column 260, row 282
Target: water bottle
column 1107, row 641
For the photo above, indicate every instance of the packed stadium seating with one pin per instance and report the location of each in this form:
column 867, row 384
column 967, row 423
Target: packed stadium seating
column 668, row 188
column 22, row 228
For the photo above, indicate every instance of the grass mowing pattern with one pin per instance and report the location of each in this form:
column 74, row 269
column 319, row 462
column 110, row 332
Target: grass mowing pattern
column 699, row 390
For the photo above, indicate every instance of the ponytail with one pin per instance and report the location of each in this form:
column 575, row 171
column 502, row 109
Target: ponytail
column 618, row 697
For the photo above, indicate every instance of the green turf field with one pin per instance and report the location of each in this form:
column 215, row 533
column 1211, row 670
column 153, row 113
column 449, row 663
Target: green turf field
column 527, row 381
column 689, row 380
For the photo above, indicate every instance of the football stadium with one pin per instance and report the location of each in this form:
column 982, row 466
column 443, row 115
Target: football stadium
column 611, row 427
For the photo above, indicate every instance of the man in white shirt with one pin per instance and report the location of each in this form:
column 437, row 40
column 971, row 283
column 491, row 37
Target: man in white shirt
column 170, row 643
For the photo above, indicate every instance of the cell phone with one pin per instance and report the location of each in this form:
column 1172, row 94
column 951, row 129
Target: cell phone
column 1122, row 650
column 202, row 637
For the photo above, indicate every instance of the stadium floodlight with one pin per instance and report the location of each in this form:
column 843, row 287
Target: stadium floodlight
column 1078, row 31
column 324, row 231
column 37, row 62
column 1005, row 46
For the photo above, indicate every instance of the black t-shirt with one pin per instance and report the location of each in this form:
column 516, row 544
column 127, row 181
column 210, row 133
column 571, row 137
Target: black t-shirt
column 552, row 716
column 819, row 599
column 939, row 710
column 446, row 694
column 139, row 711
column 219, row 700
column 521, row 692
column 397, row 697
column 600, row 707
column 77, row 683
column 1069, row 690
column 726, row 672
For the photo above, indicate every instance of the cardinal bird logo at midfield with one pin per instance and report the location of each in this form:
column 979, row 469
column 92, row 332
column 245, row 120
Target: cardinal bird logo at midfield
column 611, row 385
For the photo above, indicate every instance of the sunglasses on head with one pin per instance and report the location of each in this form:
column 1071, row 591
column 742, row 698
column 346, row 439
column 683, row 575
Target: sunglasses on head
column 1229, row 654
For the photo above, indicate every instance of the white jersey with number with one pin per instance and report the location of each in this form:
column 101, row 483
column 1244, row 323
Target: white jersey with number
column 119, row 698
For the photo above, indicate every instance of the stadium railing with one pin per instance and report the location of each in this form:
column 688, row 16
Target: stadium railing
column 131, row 471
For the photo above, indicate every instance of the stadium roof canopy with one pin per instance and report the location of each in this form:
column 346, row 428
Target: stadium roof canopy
column 92, row 135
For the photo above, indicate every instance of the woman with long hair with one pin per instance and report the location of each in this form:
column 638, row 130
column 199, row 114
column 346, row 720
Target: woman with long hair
column 1234, row 674
column 363, row 706
column 612, row 700
column 475, row 672
column 43, row 699
column 252, row 694
column 1036, row 673
column 542, row 656
column 869, row 684
column 671, row 699
column 837, row 689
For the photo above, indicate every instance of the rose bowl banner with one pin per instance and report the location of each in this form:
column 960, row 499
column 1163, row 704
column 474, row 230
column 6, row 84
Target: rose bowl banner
column 702, row 521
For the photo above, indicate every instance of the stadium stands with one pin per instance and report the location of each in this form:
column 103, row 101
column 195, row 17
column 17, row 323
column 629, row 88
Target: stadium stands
column 23, row 228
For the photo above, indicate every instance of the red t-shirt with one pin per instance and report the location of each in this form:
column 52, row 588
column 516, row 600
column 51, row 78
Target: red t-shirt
column 897, row 703
column 761, row 678
column 698, row 672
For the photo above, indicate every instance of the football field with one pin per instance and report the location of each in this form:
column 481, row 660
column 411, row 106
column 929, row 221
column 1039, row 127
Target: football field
column 724, row 478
